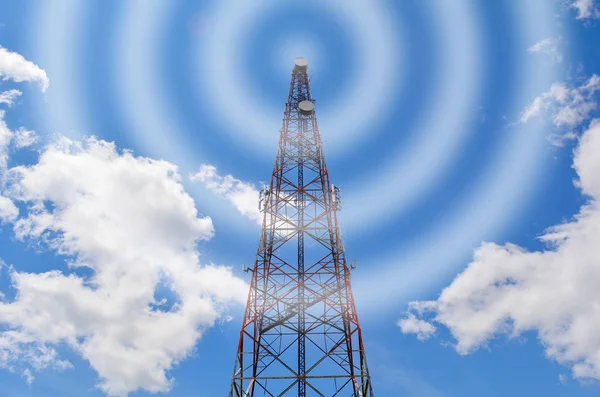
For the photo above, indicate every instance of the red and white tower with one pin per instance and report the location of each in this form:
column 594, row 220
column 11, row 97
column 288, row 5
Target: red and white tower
column 300, row 335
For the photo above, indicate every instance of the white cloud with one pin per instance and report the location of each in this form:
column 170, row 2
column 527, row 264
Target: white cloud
column 549, row 47
column 567, row 106
column 8, row 211
column 8, row 97
column 29, row 378
column 412, row 325
column 560, row 139
column 5, row 138
column 243, row 195
column 509, row 290
column 562, row 379
column 24, row 138
column 586, row 9
column 129, row 221
column 14, row 66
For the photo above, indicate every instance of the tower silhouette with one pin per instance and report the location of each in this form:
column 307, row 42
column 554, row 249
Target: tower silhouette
column 300, row 334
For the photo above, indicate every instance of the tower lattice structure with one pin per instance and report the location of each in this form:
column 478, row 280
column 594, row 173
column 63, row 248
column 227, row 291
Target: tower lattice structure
column 300, row 334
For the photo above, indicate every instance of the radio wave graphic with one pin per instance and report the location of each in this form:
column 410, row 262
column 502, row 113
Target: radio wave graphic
column 384, row 49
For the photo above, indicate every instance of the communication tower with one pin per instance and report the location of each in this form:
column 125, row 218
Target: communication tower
column 300, row 335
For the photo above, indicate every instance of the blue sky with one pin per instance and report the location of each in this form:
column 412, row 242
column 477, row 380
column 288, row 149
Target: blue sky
column 446, row 125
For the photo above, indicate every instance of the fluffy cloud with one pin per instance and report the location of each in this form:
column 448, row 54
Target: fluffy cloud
column 28, row 376
column 548, row 47
column 14, row 66
column 8, row 210
column 509, row 290
column 413, row 325
column 8, row 97
column 243, row 195
column 566, row 106
column 136, row 300
column 24, row 138
column 5, row 138
column 586, row 9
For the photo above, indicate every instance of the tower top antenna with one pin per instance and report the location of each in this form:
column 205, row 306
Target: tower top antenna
column 300, row 63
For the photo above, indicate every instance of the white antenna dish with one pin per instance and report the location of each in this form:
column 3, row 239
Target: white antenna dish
column 301, row 63
column 306, row 107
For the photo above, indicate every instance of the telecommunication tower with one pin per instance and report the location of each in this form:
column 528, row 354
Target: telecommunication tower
column 300, row 335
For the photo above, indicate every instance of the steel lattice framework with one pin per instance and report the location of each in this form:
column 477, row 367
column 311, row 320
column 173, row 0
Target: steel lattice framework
column 300, row 334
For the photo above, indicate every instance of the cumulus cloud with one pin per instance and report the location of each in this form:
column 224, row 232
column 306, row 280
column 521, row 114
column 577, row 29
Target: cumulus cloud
column 566, row 106
column 8, row 210
column 143, row 300
column 549, row 47
column 13, row 66
column 586, row 9
column 559, row 140
column 243, row 195
column 23, row 137
column 413, row 325
column 5, row 138
column 29, row 378
column 8, row 97
column 509, row 290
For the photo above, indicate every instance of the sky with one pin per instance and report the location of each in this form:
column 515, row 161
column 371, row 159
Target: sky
column 135, row 136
